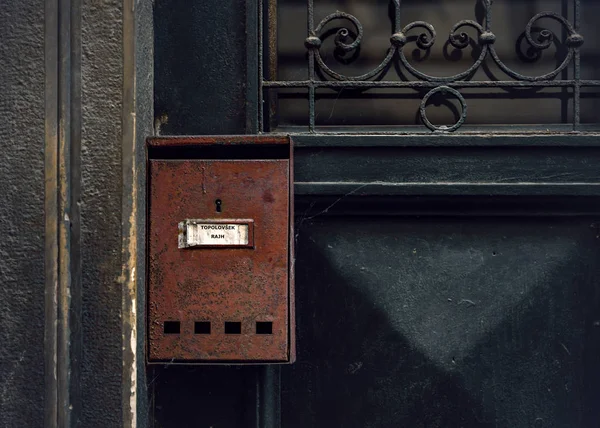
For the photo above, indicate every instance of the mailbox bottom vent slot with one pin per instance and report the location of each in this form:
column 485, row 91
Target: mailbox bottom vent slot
column 172, row 327
column 264, row 327
column 202, row 327
column 233, row 327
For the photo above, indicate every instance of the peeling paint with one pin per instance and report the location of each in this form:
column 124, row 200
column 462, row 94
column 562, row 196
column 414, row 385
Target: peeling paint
column 130, row 237
column 132, row 343
column 129, row 304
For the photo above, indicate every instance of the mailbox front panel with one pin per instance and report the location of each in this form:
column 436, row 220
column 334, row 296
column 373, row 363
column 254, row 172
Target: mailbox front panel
column 218, row 275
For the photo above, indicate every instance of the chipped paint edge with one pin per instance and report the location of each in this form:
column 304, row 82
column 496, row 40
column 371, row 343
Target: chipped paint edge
column 129, row 222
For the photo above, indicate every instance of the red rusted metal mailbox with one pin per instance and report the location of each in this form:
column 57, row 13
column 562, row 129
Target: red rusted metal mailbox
column 220, row 246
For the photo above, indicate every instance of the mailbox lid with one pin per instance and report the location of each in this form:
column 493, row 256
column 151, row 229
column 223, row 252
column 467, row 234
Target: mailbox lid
column 210, row 286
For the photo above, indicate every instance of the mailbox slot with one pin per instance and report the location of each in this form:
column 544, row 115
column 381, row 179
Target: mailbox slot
column 220, row 250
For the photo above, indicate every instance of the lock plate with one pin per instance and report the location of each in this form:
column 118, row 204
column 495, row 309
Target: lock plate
column 219, row 283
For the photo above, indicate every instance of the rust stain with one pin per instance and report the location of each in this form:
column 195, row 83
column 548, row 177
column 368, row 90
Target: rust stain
column 268, row 197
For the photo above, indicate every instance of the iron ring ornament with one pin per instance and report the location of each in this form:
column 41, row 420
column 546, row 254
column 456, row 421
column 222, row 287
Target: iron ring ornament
column 443, row 128
column 350, row 39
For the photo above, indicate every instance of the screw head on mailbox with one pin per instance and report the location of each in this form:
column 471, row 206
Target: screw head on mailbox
column 220, row 285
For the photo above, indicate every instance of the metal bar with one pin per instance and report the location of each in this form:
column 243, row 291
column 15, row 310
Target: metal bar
column 311, row 70
column 418, row 84
column 566, row 99
column 397, row 16
column 453, row 140
column 414, row 130
column 254, row 66
column 272, row 63
column 577, row 67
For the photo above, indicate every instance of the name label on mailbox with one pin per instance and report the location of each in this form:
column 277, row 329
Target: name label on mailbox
column 202, row 233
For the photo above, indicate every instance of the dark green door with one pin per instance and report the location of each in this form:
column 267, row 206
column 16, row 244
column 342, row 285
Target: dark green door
column 447, row 206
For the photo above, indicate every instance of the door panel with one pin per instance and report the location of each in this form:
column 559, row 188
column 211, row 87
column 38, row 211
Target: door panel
column 445, row 322
column 415, row 318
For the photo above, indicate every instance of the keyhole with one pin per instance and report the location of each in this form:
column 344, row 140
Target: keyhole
column 218, row 203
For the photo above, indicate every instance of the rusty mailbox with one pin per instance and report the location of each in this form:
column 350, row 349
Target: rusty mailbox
column 220, row 250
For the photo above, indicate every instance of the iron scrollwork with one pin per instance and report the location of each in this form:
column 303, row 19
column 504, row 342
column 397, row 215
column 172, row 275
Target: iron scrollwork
column 349, row 38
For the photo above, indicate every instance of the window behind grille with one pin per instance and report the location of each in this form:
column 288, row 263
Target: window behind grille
column 390, row 101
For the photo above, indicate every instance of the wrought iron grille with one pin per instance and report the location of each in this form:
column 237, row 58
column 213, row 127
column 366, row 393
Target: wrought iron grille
column 349, row 36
